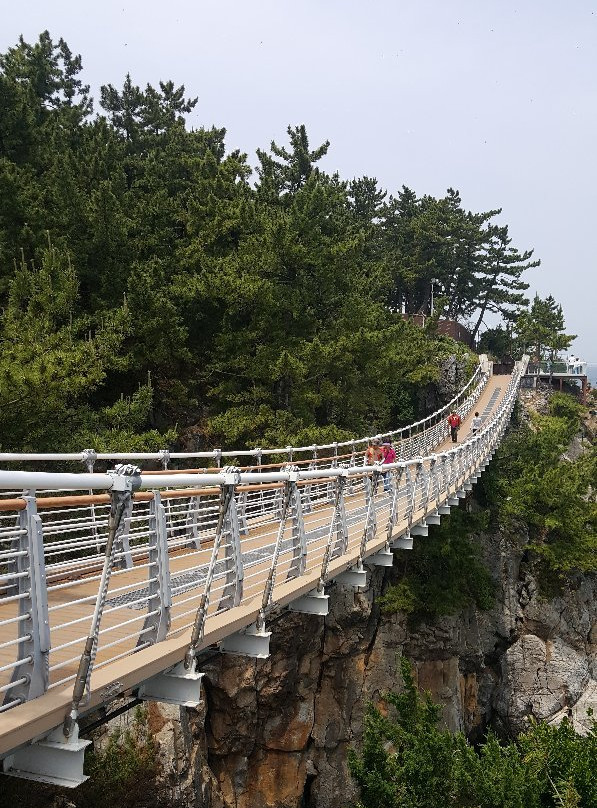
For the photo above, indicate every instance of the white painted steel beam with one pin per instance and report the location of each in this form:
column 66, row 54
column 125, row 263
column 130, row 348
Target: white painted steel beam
column 315, row 602
column 252, row 642
column 177, row 686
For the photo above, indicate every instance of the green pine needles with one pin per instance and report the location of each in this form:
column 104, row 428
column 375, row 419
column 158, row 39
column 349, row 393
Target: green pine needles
column 534, row 486
column 407, row 760
column 444, row 573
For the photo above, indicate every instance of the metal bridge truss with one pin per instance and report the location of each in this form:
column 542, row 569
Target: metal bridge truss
column 114, row 582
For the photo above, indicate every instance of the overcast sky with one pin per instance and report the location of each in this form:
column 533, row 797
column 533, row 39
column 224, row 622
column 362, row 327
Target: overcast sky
column 495, row 98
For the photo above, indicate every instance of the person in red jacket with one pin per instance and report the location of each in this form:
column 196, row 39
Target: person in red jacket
column 454, row 421
column 389, row 456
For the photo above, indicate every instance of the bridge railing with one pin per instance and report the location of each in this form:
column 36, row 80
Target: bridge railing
column 181, row 547
column 411, row 440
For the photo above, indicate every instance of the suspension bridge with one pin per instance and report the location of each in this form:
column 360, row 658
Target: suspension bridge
column 112, row 583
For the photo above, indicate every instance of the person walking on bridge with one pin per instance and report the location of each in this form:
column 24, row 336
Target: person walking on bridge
column 374, row 457
column 476, row 424
column 374, row 453
column 454, row 421
column 389, row 456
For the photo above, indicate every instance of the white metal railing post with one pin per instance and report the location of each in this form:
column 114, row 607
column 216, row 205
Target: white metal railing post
column 341, row 522
column 159, row 600
column 241, row 510
column 352, row 463
column 268, row 588
column 395, row 480
column 259, row 456
column 165, row 461
column 445, row 474
column 30, row 677
column 307, row 501
column 89, row 456
column 336, row 517
column 192, row 522
column 428, row 483
column 334, row 465
column 299, row 538
column 233, row 588
column 371, row 517
column 413, row 493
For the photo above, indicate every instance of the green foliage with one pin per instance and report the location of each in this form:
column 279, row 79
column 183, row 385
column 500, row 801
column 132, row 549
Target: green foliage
column 121, row 770
column 540, row 329
column 52, row 361
column 496, row 341
column 263, row 312
column 531, row 484
column 119, row 427
column 468, row 262
column 407, row 760
column 445, row 573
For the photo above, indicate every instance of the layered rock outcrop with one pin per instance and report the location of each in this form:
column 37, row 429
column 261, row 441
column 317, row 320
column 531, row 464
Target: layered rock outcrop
column 276, row 732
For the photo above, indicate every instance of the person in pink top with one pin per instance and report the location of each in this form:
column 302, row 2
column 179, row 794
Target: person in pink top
column 389, row 456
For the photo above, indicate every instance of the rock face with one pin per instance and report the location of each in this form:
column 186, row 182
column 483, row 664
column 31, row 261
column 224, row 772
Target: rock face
column 276, row 732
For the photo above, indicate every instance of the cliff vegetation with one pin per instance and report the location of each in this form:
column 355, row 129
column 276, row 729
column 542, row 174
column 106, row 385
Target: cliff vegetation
column 408, row 761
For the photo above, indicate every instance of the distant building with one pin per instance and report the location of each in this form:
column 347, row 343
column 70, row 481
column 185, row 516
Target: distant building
column 450, row 328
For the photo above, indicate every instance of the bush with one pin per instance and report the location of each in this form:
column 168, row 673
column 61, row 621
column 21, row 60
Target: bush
column 407, row 760
column 530, row 484
column 444, row 573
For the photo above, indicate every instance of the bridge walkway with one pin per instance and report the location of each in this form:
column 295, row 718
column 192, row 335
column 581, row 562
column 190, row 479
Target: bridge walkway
column 125, row 622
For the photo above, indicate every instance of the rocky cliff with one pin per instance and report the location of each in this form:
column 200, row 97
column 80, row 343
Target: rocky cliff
column 276, row 732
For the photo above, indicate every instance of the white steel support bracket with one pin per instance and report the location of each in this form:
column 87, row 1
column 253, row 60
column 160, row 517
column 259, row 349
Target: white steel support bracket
column 341, row 545
column 402, row 542
column 155, row 628
column 382, row 558
column 420, row 529
column 453, row 501
column 314, row 602
column 444, row 510
column 192, row 523
column 252, row 642
column 54, row 759
column 434, row 518
column 241, row 510
column 233, row 589
column 355, row 577
column 174, row 686
column 299, row 539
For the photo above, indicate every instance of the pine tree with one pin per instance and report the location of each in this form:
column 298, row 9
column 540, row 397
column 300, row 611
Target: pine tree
column 500, row 285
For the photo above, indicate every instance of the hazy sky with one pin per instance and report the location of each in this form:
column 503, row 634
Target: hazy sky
column 497, row 99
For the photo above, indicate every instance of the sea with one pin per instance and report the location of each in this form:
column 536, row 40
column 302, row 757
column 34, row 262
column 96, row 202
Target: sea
column 592, row 374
